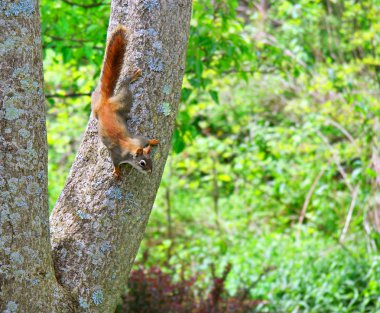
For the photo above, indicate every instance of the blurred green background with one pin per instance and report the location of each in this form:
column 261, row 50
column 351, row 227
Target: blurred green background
column 275, row 155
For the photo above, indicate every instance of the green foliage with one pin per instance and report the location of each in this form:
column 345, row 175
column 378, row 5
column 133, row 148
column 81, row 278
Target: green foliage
column 280, row 105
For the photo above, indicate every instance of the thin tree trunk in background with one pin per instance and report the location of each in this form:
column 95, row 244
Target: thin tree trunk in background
column 98, row 222
column 169, row 210
column 27, row 281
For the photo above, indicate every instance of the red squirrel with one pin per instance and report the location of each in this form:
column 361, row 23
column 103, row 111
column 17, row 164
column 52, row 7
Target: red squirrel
column 112, row 109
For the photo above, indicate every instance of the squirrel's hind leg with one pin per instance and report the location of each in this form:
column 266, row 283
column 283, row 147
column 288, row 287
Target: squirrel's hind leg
column 135, row 75
column 122, row 101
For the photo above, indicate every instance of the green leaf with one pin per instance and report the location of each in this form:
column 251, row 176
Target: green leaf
column 185, row 94
column 214, row 95
column 178, row 142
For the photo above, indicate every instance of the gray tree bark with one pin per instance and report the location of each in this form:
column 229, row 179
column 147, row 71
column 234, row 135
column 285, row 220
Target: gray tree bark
column 98, row 222
column 27, row 281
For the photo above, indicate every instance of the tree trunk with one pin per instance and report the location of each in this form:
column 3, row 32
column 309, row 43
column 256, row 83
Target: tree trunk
column 98, row 222
column 27, row 281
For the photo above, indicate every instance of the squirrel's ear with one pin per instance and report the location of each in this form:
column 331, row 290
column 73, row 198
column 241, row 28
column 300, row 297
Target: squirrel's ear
column 139, row 151
column 147, row 150
column 154, row 142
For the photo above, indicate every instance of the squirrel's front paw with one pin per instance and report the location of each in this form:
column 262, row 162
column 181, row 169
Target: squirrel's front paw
column 116, row 172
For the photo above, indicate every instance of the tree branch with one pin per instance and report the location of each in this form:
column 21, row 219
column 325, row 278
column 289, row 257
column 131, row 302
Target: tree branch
column 86, row 6
column 56, row 38
column 68, row 95
column 349, row 214
column 310, row 193
column 336, row 160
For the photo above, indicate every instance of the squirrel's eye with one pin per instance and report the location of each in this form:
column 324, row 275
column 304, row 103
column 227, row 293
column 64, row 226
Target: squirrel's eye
column 142, row 163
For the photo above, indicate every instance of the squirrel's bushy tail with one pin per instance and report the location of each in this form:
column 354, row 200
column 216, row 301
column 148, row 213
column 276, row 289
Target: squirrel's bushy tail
column 113, row 61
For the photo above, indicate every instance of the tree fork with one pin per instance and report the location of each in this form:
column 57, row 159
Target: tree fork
column 98, row 223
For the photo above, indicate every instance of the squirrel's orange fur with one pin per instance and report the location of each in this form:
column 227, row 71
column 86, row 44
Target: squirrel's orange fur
column 113, row 61
column 112, row 109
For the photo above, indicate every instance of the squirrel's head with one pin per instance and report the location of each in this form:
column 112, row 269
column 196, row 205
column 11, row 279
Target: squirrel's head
column 140, row 161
